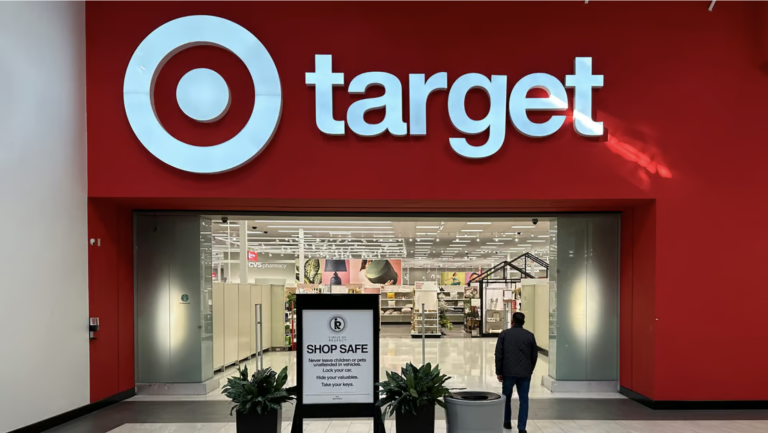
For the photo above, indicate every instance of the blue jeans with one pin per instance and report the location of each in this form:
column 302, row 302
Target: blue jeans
column 523, row 386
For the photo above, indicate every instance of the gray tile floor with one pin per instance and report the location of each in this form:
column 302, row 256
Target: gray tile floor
column 554, row 415
column 554, row 426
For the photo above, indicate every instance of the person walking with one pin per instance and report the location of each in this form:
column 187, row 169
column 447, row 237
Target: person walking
column 516, row 356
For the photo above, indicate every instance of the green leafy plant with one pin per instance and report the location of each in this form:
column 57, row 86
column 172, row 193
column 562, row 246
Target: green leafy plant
column 445, row 322
column 260, row 393
column 443, row 308
column 413, row 390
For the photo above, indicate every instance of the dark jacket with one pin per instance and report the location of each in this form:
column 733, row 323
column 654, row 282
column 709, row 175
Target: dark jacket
column 516, row 352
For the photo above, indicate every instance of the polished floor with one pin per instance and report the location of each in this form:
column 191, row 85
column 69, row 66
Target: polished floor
column 468, row 361
column 553, row 426
column 618, row 415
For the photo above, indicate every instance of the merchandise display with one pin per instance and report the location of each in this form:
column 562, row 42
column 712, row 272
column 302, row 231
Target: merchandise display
column 499, row 306
column 427, row 324
column 472, row 316
column 466, row 272
column 453, row 297
column 396, row 304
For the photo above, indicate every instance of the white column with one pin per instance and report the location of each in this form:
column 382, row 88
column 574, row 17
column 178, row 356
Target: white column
column 243, row 252
column 42, row 174
column 229, row 253
column 301, row 256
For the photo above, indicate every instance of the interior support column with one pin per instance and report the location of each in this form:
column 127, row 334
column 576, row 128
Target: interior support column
column 243, row 238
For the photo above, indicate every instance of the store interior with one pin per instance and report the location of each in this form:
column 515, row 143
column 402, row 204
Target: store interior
column 438, row 278
column 446, row 288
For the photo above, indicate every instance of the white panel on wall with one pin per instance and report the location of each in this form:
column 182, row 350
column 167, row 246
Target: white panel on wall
column 231, row 323
column 218, row 325
column 255, row 300
column 528, row 303
column 43, row 319
column 541, row 323
column 244, row 321
column 278, row 316
column 266, row 302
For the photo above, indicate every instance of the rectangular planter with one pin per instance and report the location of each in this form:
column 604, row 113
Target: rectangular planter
column 422, row 422
column 270, row 422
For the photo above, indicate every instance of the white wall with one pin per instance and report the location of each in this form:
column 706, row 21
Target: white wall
column 43, row 319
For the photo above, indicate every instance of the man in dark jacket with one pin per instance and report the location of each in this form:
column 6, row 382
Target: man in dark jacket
column 516, row 356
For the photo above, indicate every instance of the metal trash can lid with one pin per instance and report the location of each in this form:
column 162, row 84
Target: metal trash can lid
column 473, row 396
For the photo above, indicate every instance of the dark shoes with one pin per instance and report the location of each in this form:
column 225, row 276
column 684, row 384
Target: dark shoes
column 508, row 426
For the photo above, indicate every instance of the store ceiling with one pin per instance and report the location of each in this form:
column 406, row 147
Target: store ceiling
column 419, row 241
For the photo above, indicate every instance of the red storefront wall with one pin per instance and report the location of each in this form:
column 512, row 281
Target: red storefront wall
column 683, row 103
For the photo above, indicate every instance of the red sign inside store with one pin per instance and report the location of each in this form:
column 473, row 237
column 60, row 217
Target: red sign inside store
column 253, row 256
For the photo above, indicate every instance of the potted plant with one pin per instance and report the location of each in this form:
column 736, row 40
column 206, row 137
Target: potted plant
column 258, row 399
column 412, row 397
column 444, row 321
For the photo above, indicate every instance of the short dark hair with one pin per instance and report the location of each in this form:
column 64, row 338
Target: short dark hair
column 518, row 319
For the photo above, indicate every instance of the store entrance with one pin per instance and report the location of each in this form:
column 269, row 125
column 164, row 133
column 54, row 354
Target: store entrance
column 447, row 286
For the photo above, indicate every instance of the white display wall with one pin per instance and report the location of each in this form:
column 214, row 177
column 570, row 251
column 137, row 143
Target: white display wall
column 44, row 307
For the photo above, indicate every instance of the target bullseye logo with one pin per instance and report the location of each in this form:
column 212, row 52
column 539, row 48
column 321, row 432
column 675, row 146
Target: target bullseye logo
column 202, row 94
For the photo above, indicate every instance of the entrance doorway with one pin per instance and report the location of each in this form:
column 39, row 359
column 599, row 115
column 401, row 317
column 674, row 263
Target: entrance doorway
column 453, row 281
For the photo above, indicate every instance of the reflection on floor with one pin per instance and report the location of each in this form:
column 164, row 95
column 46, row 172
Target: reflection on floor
column 468, row 361
column 555, row 426
column 404, row 331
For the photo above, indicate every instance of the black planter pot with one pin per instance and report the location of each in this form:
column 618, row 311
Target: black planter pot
column 270, row 422
column 422, row 422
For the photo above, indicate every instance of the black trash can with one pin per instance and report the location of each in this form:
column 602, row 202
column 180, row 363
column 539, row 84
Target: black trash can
column 474, row 412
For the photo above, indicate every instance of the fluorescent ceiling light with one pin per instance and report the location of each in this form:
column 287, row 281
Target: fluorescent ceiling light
column 427, row 227
column 523, row 227
column 306, row 236
column 472, row 230
column 494, row 243
column 455, row 249
column 543, row 236
column 336, row 232
column 535, row 240
column 383, row 236
column 424, row 239
column 330, row 227
column 426, row 234
column 322, row 222
column 477, row 223
column 459, row 240
column 428, row 243
column 524, row 245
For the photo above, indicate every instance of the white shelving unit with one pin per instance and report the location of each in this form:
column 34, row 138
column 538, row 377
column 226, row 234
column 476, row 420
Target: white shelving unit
column 391, row 309
column 431, row 321
column 455, row 304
